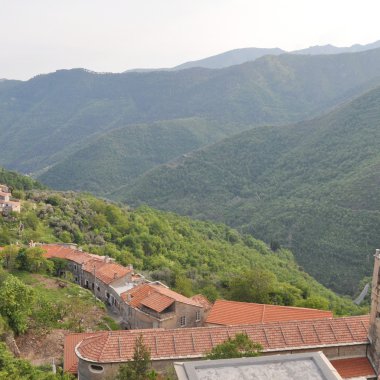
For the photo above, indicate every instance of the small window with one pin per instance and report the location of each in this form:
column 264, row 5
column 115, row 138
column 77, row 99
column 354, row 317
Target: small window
column 197, row 316
column 75, row 267
column 96, row 368
column 182, row 321
column 98, row 288
column 76, row 279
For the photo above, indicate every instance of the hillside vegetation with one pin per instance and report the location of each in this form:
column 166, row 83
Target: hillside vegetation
column 313, row 187
column 50, row 117
column 190, row 256
column 116, row 158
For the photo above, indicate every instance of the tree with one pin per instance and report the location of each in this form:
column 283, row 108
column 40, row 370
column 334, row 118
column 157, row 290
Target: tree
column 137, row 369
column 255, row 285
column 13, row 368
column 32, row 260
column 16, row 303
column 238, row 347
column 8, row 256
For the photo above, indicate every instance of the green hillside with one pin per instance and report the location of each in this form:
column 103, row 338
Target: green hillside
column 190, row 256
column 313, row 187
column 116, row 158
column 48, row 118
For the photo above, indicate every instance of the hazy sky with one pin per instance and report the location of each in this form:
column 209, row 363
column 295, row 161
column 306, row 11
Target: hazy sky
column 39, row 36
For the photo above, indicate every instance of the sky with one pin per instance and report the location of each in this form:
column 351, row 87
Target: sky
column 41, row 36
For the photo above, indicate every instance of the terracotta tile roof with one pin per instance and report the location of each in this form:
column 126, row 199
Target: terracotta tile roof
column 111, row 271
column 202, row 300
column 137, row 296
column 174, row 295
column 238, row 313
column 107, row 272
column 117, row 346
column 157, row 302
column 70, row 360
column 353, row 367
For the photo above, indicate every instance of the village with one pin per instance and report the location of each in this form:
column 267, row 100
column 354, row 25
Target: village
column 178, row 330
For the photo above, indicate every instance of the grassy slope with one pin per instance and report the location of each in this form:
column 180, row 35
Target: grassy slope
column 312, row 186
column 50, row 116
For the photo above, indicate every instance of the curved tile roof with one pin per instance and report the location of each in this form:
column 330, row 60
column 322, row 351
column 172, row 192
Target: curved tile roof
column 118, row 346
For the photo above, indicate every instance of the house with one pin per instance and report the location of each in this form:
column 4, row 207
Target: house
column 100, row 355
column 7, row 203
column 141, row 303
column 351, row 344
column 225, row 313
column 154, row 305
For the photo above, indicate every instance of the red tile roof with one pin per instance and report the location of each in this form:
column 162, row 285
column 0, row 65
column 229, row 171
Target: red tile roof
column 353, row 367
column 118, row 346
column 70, row 359
column 138, row 295
column 111, row 271
column 105, row 271
column 202, row 300
column 157, row 302
column 238, row 313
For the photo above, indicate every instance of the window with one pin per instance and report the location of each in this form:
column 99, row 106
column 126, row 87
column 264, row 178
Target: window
column 86, row 283
column 75, row 267
column 182, row 321
column 197, row 316
column 96, row 368
column 98, row 288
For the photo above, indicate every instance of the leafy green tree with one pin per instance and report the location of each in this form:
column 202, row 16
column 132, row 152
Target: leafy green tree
column 239, row 346
column 32, row 260
column 8, row 256
column 138, row 368
column 16, row 303
column 315, row 302
column 255, row 285
column 19, row 369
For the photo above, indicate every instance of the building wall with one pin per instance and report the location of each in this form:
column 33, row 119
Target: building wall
column 109, row 370
column 374, row 323
column 184, row 310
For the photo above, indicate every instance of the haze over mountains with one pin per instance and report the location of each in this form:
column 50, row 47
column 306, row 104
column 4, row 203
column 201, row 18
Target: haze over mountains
column 301, row 185
column 239, row 56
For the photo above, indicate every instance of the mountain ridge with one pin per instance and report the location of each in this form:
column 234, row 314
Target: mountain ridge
column 310, row 186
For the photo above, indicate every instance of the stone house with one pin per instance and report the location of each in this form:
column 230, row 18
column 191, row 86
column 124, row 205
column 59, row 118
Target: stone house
column 154, row 305
column 340, row 339
column 141, row 303
column 351, row 344
column 7, row 203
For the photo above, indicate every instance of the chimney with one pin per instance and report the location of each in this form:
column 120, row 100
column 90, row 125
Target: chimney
column 130, row 267
column 374, row 322
column 115, row 275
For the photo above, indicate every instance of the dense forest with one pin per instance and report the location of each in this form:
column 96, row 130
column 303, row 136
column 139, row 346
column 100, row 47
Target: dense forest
column 50, row 117
column 313, row 187
column 190, row 256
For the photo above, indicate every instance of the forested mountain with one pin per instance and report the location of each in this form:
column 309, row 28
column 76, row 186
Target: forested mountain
column 116, row 158
column 46, row 119
column 239, row 56
column 331, row 49
column 190, row 256
column 313, row 187
column 230, row 58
